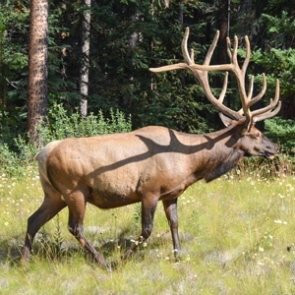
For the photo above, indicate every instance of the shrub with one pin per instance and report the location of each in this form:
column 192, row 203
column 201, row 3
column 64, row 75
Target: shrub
column 9, row 161
column 284, row 132
column 60, row 124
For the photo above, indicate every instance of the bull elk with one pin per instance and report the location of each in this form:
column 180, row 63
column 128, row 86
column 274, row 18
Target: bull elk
column 153, row 163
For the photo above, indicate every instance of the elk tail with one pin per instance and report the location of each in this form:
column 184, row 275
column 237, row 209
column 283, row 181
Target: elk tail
column 42, row 157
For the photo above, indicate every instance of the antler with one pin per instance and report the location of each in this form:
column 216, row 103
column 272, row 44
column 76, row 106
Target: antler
column 247, row 99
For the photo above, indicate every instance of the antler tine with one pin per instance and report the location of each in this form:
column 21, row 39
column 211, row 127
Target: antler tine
column 249, row 95
column 273, row 102
column 211, row 49
column 224, row 88
column 240, row 76
column 178, row 66
column 192, row 55
column 235, row 51
column 261, row 93
column 248, row 54
column 250, row 90
column 269, row 114
column 184, row 49
column 245, row 98
column 188, row 59
column 228, row 48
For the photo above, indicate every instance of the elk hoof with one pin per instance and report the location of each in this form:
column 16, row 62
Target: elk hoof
column 100, row 260
column 25, row 256
column 177, row 255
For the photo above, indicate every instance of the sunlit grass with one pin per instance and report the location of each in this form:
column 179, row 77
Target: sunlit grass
column 234, row 232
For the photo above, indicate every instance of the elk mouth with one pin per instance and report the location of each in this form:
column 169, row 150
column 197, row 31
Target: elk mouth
column 266, row 154
column 269, row 155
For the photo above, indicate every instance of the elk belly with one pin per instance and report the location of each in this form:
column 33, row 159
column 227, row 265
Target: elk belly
column 114, row 189
column 107, row 200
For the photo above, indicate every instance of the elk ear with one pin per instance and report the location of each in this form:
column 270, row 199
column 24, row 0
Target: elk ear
column 225, row 120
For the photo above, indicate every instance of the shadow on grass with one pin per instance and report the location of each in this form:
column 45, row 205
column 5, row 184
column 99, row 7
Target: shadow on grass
column 55, row 248
column 10, row 249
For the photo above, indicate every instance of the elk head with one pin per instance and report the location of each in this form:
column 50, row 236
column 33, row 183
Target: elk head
column 252, row 142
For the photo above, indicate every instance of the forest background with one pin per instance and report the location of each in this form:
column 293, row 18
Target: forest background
column 126, row 38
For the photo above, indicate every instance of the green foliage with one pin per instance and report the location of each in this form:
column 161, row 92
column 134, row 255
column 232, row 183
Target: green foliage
column 281, row 64
column 284, row 132
column 284, row 23
column 180, row 105
column 14, row 158
column 15, row 152
column 123, row 78
column 9, row 162
column 277, row 33
column 61, row 124
column 13, row 54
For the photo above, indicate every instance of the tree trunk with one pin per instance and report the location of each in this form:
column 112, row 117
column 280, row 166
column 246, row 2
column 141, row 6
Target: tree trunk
column 37, row 96
column 180, row 15
column 2, row 71
column 134, row 39
column 84, row 73
column 166, row 3
column 223, row 28
column 135, row 36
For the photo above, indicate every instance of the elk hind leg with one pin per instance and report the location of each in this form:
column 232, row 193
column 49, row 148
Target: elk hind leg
column 77, row 206
column 51, row 205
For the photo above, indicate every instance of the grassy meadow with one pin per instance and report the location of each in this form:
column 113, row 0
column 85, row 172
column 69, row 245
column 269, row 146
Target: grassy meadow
column 237, row 234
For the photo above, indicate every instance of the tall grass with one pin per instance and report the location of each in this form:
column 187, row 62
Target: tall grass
column 237, row 237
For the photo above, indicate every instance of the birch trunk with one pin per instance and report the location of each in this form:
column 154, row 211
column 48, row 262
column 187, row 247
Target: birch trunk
column 84, row 73
column 38, row 46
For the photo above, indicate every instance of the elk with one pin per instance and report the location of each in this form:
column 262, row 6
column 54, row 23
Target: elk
column 153, row 163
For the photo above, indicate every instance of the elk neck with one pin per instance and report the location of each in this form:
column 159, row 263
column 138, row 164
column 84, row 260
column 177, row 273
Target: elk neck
column 214, row 154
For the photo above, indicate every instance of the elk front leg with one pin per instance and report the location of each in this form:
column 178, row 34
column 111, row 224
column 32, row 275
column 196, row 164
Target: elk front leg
column 148, row 208
column 170, row 208
column 77, row 205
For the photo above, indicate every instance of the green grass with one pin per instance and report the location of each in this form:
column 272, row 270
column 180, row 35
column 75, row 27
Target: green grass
column 234, row 233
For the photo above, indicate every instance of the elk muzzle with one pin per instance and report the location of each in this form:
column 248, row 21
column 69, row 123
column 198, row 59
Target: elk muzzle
column 270, row 149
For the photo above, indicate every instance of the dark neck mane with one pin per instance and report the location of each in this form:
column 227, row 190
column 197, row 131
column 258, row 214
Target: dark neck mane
column 224, row 166
column 222, row 153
